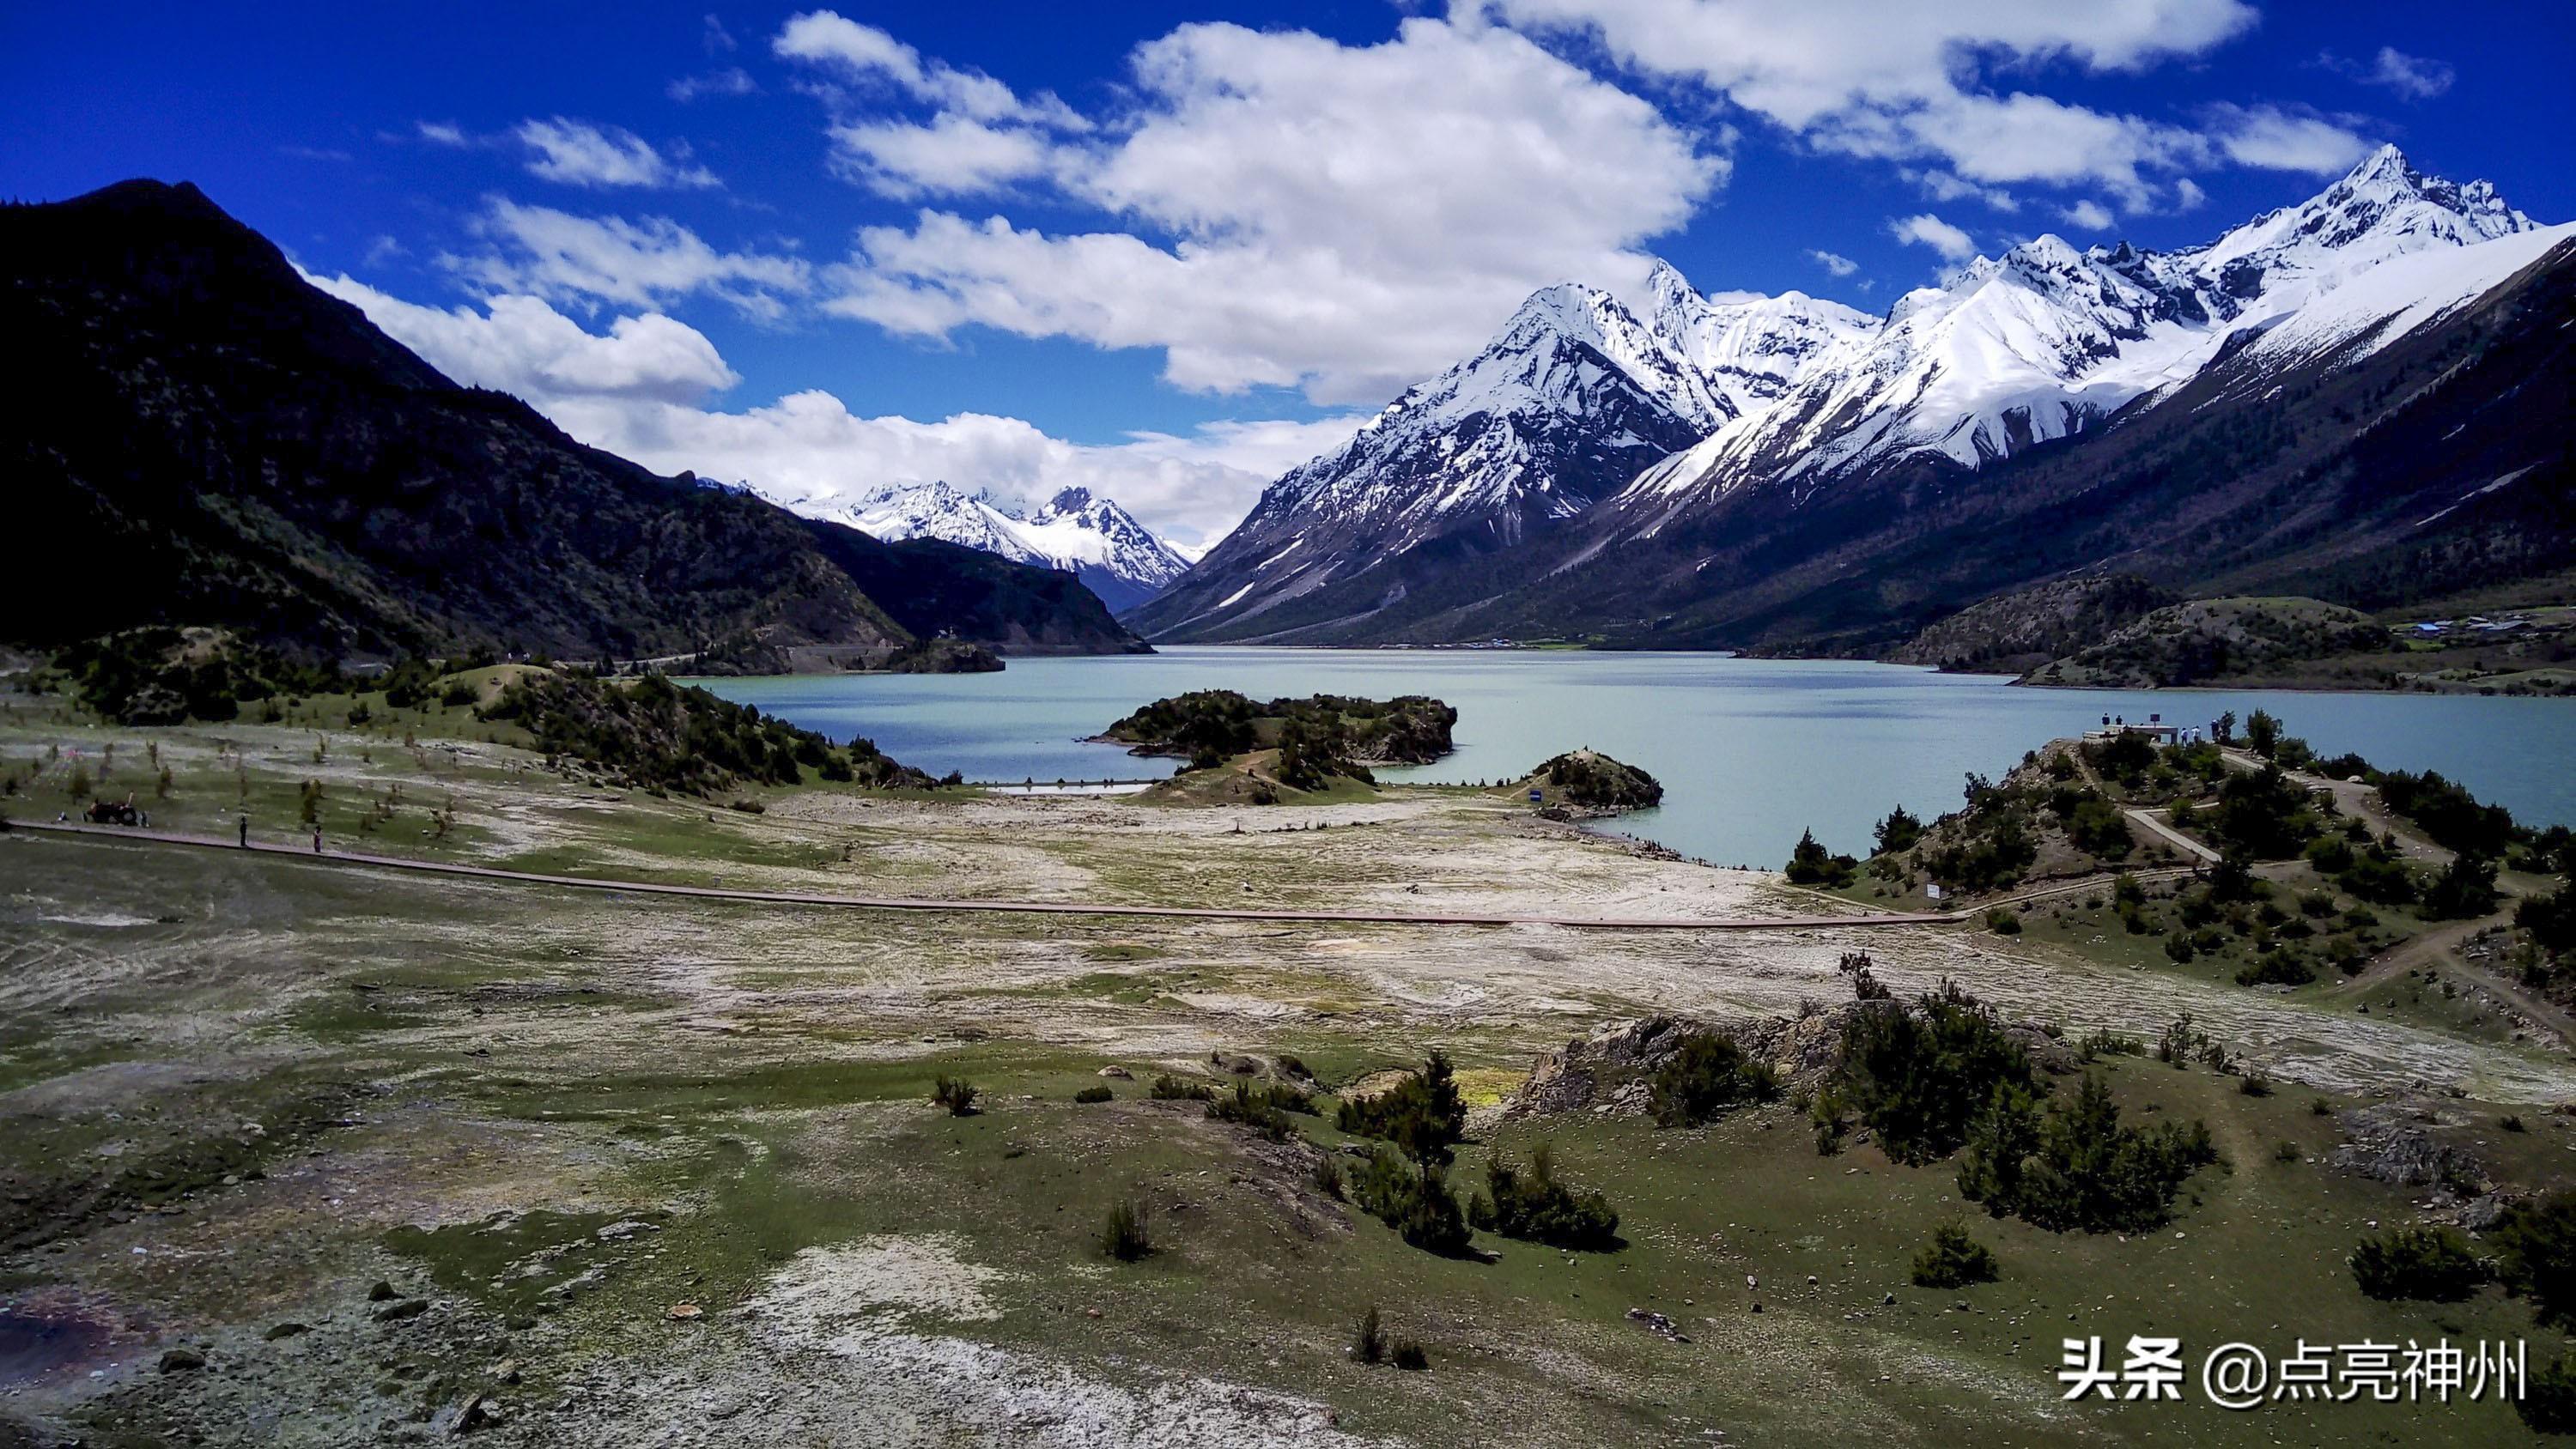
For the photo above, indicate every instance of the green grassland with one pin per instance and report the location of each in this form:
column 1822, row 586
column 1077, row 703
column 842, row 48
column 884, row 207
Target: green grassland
column 555, row 1115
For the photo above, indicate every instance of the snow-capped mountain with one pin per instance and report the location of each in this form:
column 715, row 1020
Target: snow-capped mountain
column 1116, row 557
column 1489, row 499
column 1568, row 402
column 1750, row 347
column 2046, row 341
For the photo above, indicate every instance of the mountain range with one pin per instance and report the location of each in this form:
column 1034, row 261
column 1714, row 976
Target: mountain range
column 2361, row 397
column 1117, row 558
column 211, row 440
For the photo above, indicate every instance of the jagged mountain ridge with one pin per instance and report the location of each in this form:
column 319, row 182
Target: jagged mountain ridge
column 1564, row 407
column 1076, row 532
column 1869, row 439
column 212, row 440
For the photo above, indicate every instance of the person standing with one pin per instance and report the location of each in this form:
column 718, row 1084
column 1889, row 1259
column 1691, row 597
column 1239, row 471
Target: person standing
column 245, row 830
column 317, row 839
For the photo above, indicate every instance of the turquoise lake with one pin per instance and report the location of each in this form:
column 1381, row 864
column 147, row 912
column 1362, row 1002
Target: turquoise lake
column 1750, row 751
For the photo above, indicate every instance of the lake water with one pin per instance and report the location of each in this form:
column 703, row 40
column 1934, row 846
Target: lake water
column 1750, row 751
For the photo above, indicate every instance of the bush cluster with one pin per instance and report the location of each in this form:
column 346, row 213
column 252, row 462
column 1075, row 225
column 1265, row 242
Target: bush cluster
column 2433, row 1264
column 1705, row 1075
column 2076, row 1166
column 1423, row 1116
column 1954, row 1260
column 1535, row 1206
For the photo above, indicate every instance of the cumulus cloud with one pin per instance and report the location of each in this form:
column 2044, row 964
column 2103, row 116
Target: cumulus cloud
column 810, row 449
column 640, row 389
column 1911, row 82
column 952, row 155
column 866, row 56
column 2088, row 214
column 1839, row 266
column 1346, row 219
column 521, row 345
column 541, row 252
column 2280, row 140
column 1931, row 231
column 1941, row 185
column 581, row 153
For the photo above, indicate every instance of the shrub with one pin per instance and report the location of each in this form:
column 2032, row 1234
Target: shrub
column 2003, row 922
column 1414, row 1199
column 1410, row 1356
column 1536, row 1207
column 2280, row 966
column 2253, row 1086
column 1169, row 1088
column 2433, row 1264
column 1705, row 1075
column 2078, row 1167
column 2536, row 1247
column 2548, row 1402
column 1423, row 1115
column 954, row 1093
column 2288, row 1151
column 2464, row 890
column 2178, row 949
column 1368, row 1345
column 1246, row 1107
column 1953, row 1260
column 1811, row 864
column 1128, row 1233
column 1328, row 1176
column 1899, row 832
column 1918, row 1075
column 2106, row 1043
column 1093, row 1094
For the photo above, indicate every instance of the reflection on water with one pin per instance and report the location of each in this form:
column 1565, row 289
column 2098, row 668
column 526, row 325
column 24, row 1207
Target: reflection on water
column 1750, row 751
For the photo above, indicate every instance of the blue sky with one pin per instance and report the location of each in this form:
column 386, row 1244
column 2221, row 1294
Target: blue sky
column 1165, row 250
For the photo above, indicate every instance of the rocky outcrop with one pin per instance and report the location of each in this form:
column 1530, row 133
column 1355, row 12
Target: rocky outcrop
column 1611, row 1070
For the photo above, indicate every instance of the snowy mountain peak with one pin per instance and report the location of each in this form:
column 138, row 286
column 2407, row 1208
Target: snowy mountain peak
column 1116, row 557
column 1749, row 347
column 2045, row 341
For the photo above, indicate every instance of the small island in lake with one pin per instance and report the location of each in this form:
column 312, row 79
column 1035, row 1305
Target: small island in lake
column 1253, row 750
column 1587, row 783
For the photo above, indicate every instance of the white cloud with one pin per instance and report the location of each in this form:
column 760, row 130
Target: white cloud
column 1909, row 82
column 2410, row 76
column 1931, row 231
column 2414, row 77
column 1347, row 219
column 866, row 55
column 2279, row 140
column 1941, row 185
column 1839, row 266
column 953, row 155
column 2088, row 214
column 580, row 153
column 639, row 390
column 542, row 252
column 520, row 345
column 442, row 133
column 2188, row 196
column 731, row 81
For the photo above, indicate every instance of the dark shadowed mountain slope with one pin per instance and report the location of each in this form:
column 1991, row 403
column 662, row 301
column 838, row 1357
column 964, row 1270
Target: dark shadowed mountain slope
column 198, row 436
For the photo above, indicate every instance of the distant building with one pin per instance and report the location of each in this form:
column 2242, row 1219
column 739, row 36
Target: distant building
column 2155, row 729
